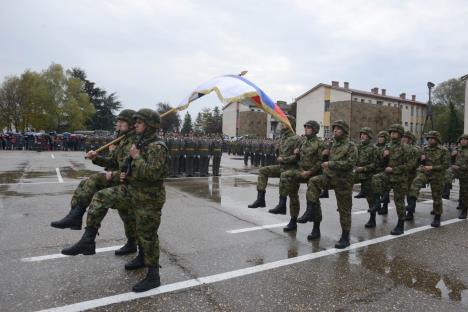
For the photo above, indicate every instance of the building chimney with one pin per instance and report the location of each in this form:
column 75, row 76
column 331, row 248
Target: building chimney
column 384, row 92
column 335, row 83
column 346, row 85
column 403, row 96
column 413, row 98
column 375, row 90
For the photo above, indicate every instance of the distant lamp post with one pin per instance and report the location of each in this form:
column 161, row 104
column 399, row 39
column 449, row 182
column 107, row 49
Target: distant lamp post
column 429, row 114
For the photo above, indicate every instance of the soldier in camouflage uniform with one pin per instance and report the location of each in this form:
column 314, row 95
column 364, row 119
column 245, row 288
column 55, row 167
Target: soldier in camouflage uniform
column 337, row 175
column 173, row 145
column 395, row 160
column 309, row 161
column 204, row 153
column 460, row 170
column 143, row 189
column 382, row 139
column 89, row 187
column 415, row 154
column 247, row 151
column 189, row 148
column 435, row 160
column 365, row 169
column 217, row 152
column 287, row 160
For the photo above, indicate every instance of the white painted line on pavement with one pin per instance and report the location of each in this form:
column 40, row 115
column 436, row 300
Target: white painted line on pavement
column 255, row 228
column 36, row 183
column 59, row 176
column 53, row 156
column 56, row 256
column 125, row 297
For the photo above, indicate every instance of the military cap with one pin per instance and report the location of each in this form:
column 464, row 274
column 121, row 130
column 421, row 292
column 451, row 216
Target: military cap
column 367, row 131
column 396, row 128
column 313, row 124
column 410, row 135
column 434, row 134
column 126, row 115
column 149, row 116
column 341, row 124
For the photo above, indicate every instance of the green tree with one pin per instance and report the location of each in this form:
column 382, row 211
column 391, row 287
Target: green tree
column 171, row 121
column 449, row 100
column 10, row 99
column 187, row 125
column 105, row 105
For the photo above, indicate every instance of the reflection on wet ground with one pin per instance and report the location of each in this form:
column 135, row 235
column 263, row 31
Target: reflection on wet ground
column 202, row 188
column 13, row 176
column 409, row 274
column 73, row 173
column 5, row 192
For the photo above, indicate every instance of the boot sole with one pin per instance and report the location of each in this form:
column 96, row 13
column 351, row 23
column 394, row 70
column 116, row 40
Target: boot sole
column 312, row 238
column 74, row 227
column 289, row 230
column 117, row 253
column 369, row 226
column 133, row 268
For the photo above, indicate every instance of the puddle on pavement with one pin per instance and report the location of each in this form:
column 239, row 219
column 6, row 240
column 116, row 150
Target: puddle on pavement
column 412, row 275
column 202, row 188
column 70, row 173
column 5, row 192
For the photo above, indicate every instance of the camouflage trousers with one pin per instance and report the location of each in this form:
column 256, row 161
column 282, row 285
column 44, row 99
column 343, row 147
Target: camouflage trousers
column 264, row 173
column 344, row 196
column 437, row 186
column 88, row 187
column 366, row 186
column 382, row 182
column 116, row 197
column 147, row 203
column 463, row 191
column 216, row 164
column 290, row 182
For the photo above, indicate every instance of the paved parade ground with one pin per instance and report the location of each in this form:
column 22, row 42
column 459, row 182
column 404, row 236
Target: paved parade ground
column 219, row 255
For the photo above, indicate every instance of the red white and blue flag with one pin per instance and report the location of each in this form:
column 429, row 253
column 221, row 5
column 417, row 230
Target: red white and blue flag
column 234, row 88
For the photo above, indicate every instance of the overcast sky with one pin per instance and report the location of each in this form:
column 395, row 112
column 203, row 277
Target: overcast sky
column 151, row 51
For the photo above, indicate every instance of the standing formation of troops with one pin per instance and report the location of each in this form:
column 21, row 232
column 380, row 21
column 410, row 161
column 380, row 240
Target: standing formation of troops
column 394, row 162
column 190, row 154
column 260, row 152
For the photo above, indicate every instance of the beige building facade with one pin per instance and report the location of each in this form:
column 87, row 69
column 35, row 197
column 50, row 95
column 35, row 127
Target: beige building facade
column 317, row 102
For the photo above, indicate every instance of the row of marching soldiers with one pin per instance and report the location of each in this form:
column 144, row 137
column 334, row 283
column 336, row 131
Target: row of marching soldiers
column 190, row 154
column 260, row 152
column 394, row 162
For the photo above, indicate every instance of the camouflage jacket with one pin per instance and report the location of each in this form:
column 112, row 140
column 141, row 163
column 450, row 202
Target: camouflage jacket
column 310, row 156
column 149, row 168
column 288, row 143
column 438, row 157
column 343, row 157
column 114, row 160
column 414, row 156
column 398, row 158
column 379, row 159
column 366, row 159
column 462, row 161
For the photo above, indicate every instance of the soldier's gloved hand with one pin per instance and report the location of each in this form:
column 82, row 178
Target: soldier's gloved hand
column 455, row 167
column 389, row 170
column 306, row 174
column 386, row 153
column 134, row 152
column 279, row 159
column 296, row 151
column 123, row 177
column 109, row 175
column 112, row 148
column 454, row 153
column 423, row 157
column 360, row 169
column 91, row 155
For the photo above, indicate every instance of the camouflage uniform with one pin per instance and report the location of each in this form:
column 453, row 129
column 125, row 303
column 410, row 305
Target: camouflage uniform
column 438, row 157
column 414, row 156
column 338, row 176
column 379, row 167
column 366, row 160
column 460, row 169
column 398, row 160
column 217, row 153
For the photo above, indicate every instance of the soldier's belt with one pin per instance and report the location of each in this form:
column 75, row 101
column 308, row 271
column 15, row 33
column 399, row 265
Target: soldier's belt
column 217, row 150
column 203, row 149
column 189, row 149
column 174, row 150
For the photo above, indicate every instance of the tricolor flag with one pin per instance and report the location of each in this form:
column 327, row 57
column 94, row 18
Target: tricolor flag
column 234, row 88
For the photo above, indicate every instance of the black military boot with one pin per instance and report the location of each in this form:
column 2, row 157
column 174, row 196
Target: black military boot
column 86, row 245
column 315, row 234
column 360, row 195
column 308, row 214
column 292, row 225
column 324, row 194
column 399, row 228
column 436, row 221
column 410, row 209
column 128, row 248
column 344, row 240
column 375, row 206
column 463, row 213
column 72, row 220
column 137, row 262
column 371, row 223
column 446, row 191
column 460, row 205
column 150, row 281
column 281, row 207
column 260, row 201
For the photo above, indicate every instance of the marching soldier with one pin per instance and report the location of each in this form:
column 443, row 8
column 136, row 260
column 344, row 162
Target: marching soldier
column 395, row 160
column 189, row 147
column 365, row 169
column 204, row 152
column 309, row 161
column 337, row 175
column 89, row 187
column 382, row 140
column 217, row 153
column 434, row 161
column 415, row 154
column 460, row 170
column 287, row 160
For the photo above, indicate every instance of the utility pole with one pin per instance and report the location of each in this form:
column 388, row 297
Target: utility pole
column 429, row 114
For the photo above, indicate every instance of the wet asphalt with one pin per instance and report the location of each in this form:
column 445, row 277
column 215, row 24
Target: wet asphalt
column 424, row 271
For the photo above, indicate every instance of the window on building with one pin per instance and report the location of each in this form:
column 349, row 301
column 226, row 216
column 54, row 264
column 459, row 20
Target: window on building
column 370, row 101
column 362, row 100
column 411, row 127
column 327, row 105
column 406, row 106
column 412, row 110
column 355, row 99
column 326, row 132
column 406, row 123
column 396, row 105
column 379, row 102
